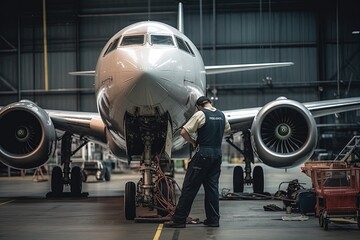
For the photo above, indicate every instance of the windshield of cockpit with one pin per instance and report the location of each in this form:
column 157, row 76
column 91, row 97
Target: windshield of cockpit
column 132, row 40
column 161, row 40
column 166, row 40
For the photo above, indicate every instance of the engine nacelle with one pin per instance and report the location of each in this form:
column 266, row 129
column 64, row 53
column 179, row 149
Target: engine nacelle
column 284, row 133
column 28, row 135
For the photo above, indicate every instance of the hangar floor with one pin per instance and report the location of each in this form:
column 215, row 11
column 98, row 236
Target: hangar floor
column 25, row 213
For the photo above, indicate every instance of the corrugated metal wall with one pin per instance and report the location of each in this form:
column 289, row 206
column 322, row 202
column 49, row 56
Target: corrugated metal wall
column 315, row 35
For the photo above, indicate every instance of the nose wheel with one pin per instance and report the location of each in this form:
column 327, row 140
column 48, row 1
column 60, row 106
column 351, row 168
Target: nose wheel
column 130, row 201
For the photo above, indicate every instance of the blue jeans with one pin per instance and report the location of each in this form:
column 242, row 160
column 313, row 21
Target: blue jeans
column 204, row 168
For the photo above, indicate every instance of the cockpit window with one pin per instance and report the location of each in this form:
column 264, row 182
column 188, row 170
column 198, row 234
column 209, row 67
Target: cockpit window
column 161, row 40
column 188, row 45
column 112, row 46
column 132, row 40
column 181, row 44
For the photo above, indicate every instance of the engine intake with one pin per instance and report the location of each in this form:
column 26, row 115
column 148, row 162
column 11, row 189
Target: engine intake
column 27, row 135
column 284, row 133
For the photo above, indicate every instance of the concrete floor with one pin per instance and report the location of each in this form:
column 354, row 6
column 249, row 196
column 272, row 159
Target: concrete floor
column 25, row 213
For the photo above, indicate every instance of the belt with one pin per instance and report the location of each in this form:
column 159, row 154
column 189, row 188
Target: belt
column 204, row 146
column 208, row 146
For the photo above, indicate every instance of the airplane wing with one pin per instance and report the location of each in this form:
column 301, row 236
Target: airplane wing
column 327, row 107
column 82, row 124
column 243, row 67
column 90, row 124
column 242, row 119
column 210, row 70
column 83, row 73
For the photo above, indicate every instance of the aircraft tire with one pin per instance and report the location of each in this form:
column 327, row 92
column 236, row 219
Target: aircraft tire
column 238, row 179
column 57, row 185
column 258, row 179
column 76, row 181
column 129, row 201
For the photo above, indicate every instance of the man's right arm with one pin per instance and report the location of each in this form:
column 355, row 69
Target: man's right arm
column 187, row 137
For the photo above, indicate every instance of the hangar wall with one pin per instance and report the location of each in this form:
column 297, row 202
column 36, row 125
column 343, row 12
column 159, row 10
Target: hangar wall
column 316, row 35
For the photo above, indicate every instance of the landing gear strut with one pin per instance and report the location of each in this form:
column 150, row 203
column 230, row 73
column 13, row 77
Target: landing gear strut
column 154, row 190
column 257, row 180
column 67, row 176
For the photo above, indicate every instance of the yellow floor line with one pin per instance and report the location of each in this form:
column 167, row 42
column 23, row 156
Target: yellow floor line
column 6, row 202
column 158, row 232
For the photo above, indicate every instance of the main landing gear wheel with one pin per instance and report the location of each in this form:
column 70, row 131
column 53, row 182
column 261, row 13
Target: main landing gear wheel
column 258, row 179
column 76, row 181
column 238, row 179
column 57, row 185
column 129, row 201
column 66, row 175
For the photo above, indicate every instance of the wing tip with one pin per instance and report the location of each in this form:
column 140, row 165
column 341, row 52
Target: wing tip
column 83, row 73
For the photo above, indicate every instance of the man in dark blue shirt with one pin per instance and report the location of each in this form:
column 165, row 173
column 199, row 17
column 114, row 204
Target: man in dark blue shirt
column 205, row 166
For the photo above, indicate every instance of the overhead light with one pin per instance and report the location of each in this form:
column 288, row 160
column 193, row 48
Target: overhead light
column 214, row 92
column 268, row 81
column 356, row 32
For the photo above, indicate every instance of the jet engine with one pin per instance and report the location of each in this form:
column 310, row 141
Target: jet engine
column 28, row 135
column 284, row 133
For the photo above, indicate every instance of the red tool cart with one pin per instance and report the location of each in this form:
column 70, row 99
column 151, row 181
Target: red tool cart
column 337, row 195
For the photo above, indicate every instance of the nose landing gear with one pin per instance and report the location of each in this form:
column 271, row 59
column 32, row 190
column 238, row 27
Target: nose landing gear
column 154, row 190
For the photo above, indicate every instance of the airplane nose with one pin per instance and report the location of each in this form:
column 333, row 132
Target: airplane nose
column 150, row 71
column 147, row 88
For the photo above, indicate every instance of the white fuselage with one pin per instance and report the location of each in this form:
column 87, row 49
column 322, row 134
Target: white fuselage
column 144, row 70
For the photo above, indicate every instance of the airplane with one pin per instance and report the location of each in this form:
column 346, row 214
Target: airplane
column 147, row 79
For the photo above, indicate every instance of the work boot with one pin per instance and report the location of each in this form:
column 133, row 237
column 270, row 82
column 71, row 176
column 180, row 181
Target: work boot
column 172, row 224
column 210, row 224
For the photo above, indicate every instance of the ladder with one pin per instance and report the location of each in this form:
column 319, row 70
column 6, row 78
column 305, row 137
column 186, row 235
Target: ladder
column 348, row 149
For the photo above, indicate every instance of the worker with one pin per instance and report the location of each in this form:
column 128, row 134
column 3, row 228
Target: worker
column 210, row 124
